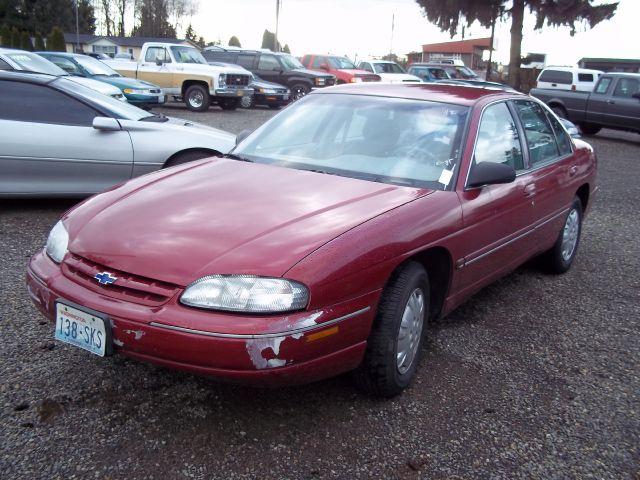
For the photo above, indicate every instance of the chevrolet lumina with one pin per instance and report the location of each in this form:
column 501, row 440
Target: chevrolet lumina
column 325, row 241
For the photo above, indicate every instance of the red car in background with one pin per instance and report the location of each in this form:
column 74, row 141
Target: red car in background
column 343, row 68
column 325, row 241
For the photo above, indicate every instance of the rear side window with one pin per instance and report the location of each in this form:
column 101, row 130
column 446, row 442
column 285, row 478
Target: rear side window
column 564, row 143
column 626, row 87
column 498, row 139
column 541, row 139
column 246, row 60
column 26, row 102
column 556, row 76
column 585, row 77
column 603, row 85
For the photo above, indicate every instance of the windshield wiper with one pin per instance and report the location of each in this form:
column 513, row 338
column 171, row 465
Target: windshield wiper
column 233, row 156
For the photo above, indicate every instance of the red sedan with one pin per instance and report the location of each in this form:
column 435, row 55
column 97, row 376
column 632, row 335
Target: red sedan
column 326, row 241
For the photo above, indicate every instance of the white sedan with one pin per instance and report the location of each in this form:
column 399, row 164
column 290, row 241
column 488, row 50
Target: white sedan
column 388, row 71
column 62, row 139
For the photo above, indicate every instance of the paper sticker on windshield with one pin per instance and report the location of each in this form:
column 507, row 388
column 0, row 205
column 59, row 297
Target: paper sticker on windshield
column 445, row 177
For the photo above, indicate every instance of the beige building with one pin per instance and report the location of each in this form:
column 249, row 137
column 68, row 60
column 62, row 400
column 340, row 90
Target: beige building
column 113, row 45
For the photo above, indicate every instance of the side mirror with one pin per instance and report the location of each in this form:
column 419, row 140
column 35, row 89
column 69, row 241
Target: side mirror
column 489, row 173
column 106, row 124
column 242, row 135
column 159, row 62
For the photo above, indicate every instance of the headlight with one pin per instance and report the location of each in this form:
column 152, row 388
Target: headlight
column 135, row 91
column 57, row 242
column 356, row 79
column 320, row 81
column 246, row 293
column 222, row 80
column 267, row 91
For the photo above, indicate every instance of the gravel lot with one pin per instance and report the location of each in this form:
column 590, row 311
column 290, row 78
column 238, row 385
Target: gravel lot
column 536, row 377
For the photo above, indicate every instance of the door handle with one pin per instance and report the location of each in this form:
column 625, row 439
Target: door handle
column 573, row 170
column 611, row 102
column 530, row 190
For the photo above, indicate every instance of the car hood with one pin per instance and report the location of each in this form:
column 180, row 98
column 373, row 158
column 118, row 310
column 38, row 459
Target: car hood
column 207, row 69
column 312, row 73
column 101, row 87
column 223, row 216
column 398, row 77
column 125, row 82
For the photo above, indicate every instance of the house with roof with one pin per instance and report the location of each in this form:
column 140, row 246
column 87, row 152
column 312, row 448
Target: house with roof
column 111, row 45
column 629, row 65
column 469, row 51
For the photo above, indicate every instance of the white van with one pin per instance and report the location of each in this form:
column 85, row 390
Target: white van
column 568, row 78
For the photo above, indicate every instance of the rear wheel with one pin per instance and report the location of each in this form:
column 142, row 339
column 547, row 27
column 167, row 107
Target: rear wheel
column 559, row 111
column 229, row 103
column 298, row 91
column 246, row 101
column 590, row 128
column 197, row 98
column 560, row 257
column 395, row 343
column 184, row 157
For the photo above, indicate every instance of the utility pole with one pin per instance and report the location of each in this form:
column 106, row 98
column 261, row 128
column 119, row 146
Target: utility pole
column 493, row 30
column 275, row 40
column 393, row 21
column 77, row 29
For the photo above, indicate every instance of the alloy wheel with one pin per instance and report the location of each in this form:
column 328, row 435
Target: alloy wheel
column 410, row 331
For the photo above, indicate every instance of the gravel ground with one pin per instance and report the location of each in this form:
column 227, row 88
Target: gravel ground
column 536, row 377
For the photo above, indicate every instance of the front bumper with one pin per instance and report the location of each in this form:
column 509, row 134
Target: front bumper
column 291, row 348
column 152, row 99
column 232, row 92
column 278, row 99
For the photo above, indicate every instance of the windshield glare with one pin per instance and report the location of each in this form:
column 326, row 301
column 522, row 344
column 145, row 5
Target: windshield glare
column 290, row 62
column 187, row 55
column 390, row 140
column 35, row 63
column 96, row 67
column 387, row 68
column 342, row 63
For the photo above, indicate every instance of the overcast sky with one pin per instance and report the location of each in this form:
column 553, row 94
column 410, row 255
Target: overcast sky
column 362, row 28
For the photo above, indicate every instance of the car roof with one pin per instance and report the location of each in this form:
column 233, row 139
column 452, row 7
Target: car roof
column 622, row 74
column 466, row 95
column 26, row 76
column 563, row 68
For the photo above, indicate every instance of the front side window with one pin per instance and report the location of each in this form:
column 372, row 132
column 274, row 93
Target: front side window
column 96, row 67
column 269, row 63
column 388, row 140
column 540, row 137
column 65, row 64
column 366, row 66
column 318, row 62
column 27, row 102
column 157, row 53
column 498, row 140
column 184, row 54
column 290, row 62
column 603, row 85
column 246, row 60
column 626, row 87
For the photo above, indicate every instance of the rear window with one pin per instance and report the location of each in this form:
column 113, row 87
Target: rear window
column 585, row 77
column 556, row 76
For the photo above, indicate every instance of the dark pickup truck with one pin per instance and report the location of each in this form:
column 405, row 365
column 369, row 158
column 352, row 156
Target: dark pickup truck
column 614, row 103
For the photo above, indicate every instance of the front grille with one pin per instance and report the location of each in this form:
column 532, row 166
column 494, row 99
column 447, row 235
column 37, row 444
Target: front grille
column 237, row 80
column 132, row 288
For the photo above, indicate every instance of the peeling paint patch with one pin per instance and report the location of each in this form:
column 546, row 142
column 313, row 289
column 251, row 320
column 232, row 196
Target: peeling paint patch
column 276, row 362
column 297, row 336
column 117, row 342
column 137, row 334
column 257, row 347
column 308, row 321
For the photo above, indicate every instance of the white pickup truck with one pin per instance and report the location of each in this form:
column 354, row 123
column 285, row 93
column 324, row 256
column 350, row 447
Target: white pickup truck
column 185, row 75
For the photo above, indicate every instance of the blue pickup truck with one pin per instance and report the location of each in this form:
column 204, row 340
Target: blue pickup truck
column 614, row 103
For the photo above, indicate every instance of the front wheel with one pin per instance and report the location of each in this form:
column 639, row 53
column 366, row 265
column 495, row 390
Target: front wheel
column 560, row 257
column 197, row 98
column 395, row 343
column 229, row 103
column 589, row 128
column 298, row 91
column 246, row 101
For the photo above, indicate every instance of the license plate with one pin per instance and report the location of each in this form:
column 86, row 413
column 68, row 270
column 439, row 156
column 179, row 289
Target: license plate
column 239, row 93
column 81, row 329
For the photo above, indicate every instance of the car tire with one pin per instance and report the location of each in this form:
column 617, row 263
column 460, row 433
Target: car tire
column 298, row 91
column 275, row 107
column 185, row 157
column 560, row 257
column 589, row 128
column 559, row 111
column 197, row 98
column 247, row 101
column 229, row 103
column 403, row 308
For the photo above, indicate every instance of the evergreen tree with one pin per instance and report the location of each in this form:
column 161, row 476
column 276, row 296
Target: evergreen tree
column 25, row 41
column 55, row 41
column 39, row 45
column 5, row 36
column 201, row 43
column 154, row 20
column 189, row 34
column 234, row 42
column 268, row 39
column 15, row 38
column 286, row 49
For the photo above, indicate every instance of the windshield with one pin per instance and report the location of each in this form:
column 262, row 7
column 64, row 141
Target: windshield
column 35, row 63
column 424, row 72
column 387, row 68
column 342, row 63
column 390, row 140
column 290, row 62
column 187, row 55
column 119, row 109
column 461, row 72
column 96, row 67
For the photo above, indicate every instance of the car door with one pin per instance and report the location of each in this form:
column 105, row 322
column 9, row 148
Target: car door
column 269, row 68
column 497, row 218
column 598, row 101
column 150, row 71
column 551, row 169
column 623, row 109
column 50, row 147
